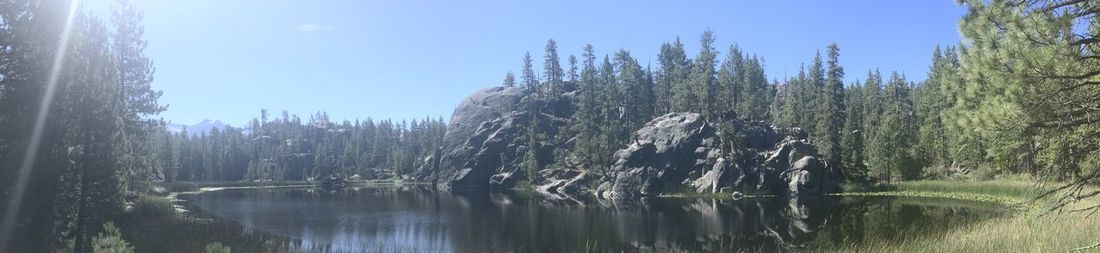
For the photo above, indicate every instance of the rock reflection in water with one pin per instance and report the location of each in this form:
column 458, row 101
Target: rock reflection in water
column 418, row 218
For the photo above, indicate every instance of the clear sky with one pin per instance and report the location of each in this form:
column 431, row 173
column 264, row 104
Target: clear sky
column 226, row 60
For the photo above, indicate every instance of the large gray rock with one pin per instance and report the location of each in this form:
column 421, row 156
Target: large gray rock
column 808, row 175
column 478, row 129
column 490, row 150
column 666, row 151
column 486, row 140
column 481, row 106
column 680, row 152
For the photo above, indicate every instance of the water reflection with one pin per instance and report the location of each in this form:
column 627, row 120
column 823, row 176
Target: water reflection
column 418, row 218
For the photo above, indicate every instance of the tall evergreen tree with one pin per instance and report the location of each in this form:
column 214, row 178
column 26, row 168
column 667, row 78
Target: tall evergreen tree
column 635, row 93
column 930, row 102
column 889, row 150
column 609, row 113
column 851, row 143
column 830, row 114
column 530, row 81
column 509, row 80
column 731, row 81
column 815, row 83
column 779, row 103
column 797, row 100
column 135, row 76
column 675, row 67
column 552, row 69
column 872, row 105
column 702, row 82
column 1031, row 72
column 588, row 117
column 573, row 69
column 756, row 95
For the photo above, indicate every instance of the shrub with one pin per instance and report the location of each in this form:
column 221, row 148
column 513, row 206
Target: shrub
column 217, row 247
column 110, row 241
column 151, row 206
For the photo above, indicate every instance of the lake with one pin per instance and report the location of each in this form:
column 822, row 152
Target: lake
column 416, row 218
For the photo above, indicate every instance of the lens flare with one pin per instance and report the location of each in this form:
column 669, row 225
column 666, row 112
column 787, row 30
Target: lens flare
column 12, row 209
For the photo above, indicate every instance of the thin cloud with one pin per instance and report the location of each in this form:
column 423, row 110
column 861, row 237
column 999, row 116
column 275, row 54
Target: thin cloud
column 309, row 27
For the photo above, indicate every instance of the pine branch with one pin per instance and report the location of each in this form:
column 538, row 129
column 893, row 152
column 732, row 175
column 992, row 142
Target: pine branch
column 1057, row 5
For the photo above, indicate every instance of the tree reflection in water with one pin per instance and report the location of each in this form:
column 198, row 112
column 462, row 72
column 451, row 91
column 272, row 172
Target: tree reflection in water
column 419, row 218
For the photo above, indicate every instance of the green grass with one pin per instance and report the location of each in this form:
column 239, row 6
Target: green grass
column 153, row 206
column 1014, row 191
column 1006, row 188
column 1028, row 229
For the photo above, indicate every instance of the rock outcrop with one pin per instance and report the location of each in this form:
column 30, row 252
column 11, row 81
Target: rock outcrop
column 486, row 145
column 467, row 133
column 682, row 152
column 486, row 140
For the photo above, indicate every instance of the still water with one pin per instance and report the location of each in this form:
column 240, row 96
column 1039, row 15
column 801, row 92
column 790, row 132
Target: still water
column 415, row 218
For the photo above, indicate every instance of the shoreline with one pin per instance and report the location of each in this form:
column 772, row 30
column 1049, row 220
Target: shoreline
column 1023, row 227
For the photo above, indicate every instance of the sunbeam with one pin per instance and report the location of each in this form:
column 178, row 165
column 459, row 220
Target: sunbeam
column 8, row 224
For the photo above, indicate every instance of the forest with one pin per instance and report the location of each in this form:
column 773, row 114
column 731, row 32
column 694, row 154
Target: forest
column 80, row 138
column 288, row 149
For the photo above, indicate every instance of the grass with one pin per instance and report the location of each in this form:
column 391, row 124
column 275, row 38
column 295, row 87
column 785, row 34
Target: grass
column 1027, row 230
column 1016, row 193
column 1006, row 188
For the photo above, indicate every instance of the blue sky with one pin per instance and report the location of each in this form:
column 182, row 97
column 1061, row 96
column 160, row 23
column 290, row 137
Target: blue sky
column 226, row 60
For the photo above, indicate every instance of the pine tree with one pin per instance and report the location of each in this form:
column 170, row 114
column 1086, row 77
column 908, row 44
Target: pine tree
column 509, row 80
column 609, row 113
column 830, row 114
column 814, row 84
column 135, row 76
column 530, row 159
column 573, row 69
column 702, row 82
column 93, row 114
column 552, row 69
column 888, row 152
column 797, row 99
column 930, row 102
column 633, row 88
column 731, row 86
column 587, row 114
column 675, row 67
column 851, row 143
column 779, row 103
column 872, row 105
column 530, row 82
column 756, row 95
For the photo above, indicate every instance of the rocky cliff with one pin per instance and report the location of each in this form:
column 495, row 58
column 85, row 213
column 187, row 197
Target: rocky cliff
column 486, row 142
column 681, row 152
column 486, row 139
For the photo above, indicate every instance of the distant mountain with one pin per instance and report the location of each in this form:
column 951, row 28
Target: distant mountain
column 197, row 129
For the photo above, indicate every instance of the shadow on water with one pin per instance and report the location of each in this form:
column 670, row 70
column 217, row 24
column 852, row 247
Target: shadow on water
column 419, row 219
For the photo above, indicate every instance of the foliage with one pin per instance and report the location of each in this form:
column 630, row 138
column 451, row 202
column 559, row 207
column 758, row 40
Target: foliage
column 1019, row 231
column 110, row 241
column 78, row 172
column 851, row 143
column 888, row 150
column 217, row 247
column 152, row 206
column 287, row 148
column 830, row 117
column 1027, row 90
